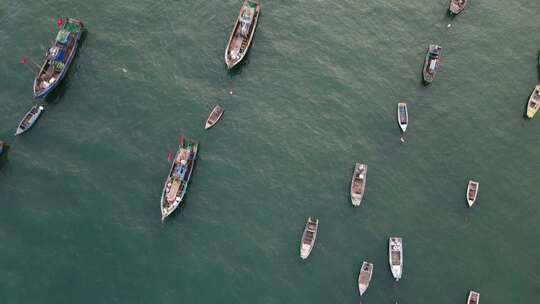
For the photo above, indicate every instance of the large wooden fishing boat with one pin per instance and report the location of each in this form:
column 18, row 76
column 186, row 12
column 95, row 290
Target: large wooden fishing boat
column 58, row 57
column 177, row 181
column 358, row 184
column 473, row 298
column 432, row 63
column 534, row 102
column 29, row 119
column 214, row 117
column 308, row 237
column 472, row 192
column 395, row 256
column 243, row 32
column 457, row 6
column 365, row 276
column 402, row 116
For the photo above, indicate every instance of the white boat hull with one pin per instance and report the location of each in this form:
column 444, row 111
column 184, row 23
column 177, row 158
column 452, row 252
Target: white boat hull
column 470, row 200
column 356, row 198
column 395, row 257
column 403, row 118
column 364, row 278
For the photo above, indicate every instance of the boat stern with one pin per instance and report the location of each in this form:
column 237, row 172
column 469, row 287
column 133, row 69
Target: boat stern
column 305, row 250
column 530, row 113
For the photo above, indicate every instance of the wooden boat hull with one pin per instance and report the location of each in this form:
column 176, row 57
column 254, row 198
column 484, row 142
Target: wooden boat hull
column 455, row 7
column 178, row 177
column 395, row 256
column 238, row 46
column 431, row 63
column 403, row 116
column 39, row 91
column 473, row 298
column 3, row 147
column 309, row 236
column 534, row 102
column 366, row 272
column 214, row 117
column 472, row 192
column 358, row 184
column 29, row 119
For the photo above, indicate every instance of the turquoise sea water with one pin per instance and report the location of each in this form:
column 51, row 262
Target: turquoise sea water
column 79, row 193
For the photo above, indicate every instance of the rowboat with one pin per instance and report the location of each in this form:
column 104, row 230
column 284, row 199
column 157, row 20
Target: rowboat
column 402, row 116
column 474, row 297
column 58, row 57
column 358, row 183
column 29, row 119
column 214, row 117
column 456, row 6
column 243, row 32
column 431, row 63
column 395, row 256
column 308, row 237
column 177, row 181
column 534, row 102
column 472, row 192
column 365, row 276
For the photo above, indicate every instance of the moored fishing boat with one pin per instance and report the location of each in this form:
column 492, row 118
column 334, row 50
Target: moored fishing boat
column 29, row 119
column 402, row 116
column 308, row 237
column 214, row 117
column 395, row 256
column 243, row 32
column 365, row 276
column 431, row 63
column 473, row 298
column 358, row 184
column 179, row 176
column 3, row 147
column 534, row 102
column 58, row 57
column 457, row 6
column 472, row 192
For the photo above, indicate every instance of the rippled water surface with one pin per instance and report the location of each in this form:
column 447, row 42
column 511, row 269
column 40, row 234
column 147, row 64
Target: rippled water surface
column 79, row 193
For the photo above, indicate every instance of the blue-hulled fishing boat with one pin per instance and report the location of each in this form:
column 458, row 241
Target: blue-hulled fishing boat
column 179, row 175
column 3, row 147
column 58, row 57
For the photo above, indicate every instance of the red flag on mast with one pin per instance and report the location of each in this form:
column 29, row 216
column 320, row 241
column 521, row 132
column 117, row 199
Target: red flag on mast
column 59, row 22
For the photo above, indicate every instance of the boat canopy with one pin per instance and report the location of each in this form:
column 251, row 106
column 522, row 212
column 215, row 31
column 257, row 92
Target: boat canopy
column 62, row 37
column 432, row 64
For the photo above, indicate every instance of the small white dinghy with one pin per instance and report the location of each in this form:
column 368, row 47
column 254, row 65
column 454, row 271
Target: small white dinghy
column 402, row 116
column 29, row 119
column 474, row 297
column 472, row 192
column 308, row 237
column 358, row 184
column 395, row 256
column 214, row 117
column 365, row 276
